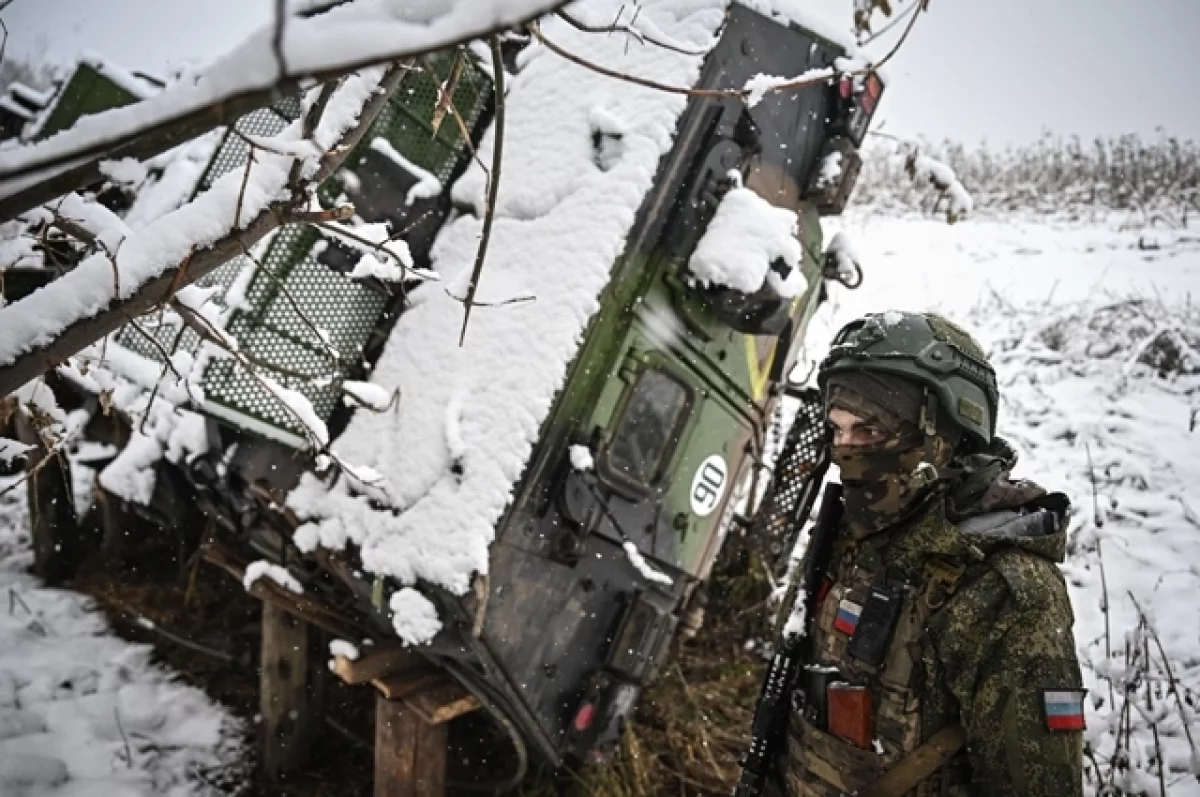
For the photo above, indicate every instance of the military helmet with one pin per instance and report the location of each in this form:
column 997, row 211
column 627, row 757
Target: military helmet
column 927, row 349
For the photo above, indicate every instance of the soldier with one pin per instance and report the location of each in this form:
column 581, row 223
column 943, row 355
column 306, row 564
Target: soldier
column 939, row 657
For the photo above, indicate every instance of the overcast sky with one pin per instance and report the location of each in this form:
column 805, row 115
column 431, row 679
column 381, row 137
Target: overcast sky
column 1004, row 70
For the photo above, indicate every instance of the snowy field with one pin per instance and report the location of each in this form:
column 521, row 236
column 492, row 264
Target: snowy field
column 84, row 713
column 1069, row 313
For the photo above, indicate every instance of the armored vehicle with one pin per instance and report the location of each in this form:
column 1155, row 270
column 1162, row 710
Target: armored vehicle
column 660, row 420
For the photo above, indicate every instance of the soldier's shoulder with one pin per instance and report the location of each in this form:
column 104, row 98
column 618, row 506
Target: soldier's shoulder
column 1023, row 548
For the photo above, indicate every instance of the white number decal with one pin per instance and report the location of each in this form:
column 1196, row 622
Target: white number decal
column 708, row 485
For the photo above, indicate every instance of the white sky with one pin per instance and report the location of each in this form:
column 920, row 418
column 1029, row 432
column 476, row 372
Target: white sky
column 1004, row 70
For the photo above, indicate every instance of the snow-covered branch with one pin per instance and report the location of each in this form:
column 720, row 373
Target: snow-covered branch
column 153, row 263
column 349, row 37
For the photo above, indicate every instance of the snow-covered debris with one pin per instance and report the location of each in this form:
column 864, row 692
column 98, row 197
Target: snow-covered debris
column 126, row 171
column 167, row 241
column 427, row 185
column 830, row 170
column 846, row 260
column 340, row 647
column 560, row 224
column 413, row 616
column 12, row 449
column 83, row 712
column 273, row 572
column 647, row 570
column 746, row 235
column 367, row 394
column 924, row 169
column 581, row 458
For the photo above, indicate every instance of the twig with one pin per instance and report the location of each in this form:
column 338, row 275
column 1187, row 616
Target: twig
column 124, row 738
column 446, row 90
column 641, row 36
column 1104, row 609
column 493, row 185
column 277, row 39
column 312, row 117
column 1171, row 680
column 161, row 377
column 913, row 9
column 1096, row 519
column 237, row 210
column 502, row 303
column 340, row 231
column 1158, row 754
column 141, row 621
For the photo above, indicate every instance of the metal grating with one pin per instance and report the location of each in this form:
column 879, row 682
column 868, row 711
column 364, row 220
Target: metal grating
column 802, row 454
column 295, row 291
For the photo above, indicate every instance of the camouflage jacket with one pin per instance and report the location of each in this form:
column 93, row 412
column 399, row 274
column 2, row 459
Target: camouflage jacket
column 992, row 657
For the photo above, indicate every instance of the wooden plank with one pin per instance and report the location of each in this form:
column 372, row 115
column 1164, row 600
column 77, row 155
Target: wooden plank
column 375, row 663
column 290, row 691
column 410, row 756
column 443, row 703
column 401, row 685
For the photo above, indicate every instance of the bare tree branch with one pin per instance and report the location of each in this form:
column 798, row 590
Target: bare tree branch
column 493, row 185
column 616, row 27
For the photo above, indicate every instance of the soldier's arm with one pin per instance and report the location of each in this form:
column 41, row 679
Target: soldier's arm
column 1014, row 652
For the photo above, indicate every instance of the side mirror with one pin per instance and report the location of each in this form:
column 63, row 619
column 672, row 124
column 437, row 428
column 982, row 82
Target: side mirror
column 833, row 176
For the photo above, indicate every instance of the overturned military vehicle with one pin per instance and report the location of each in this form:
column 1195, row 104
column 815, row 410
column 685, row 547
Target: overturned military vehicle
column 535, row 511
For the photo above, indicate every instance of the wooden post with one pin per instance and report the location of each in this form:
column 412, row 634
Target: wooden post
column 290, row 691
column 410, row 754
column 53, row 524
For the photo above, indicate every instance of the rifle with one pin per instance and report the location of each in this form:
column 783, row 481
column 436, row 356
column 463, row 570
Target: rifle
column 769, row 728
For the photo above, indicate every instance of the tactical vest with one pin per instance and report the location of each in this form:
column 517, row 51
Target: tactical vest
column 865, row 685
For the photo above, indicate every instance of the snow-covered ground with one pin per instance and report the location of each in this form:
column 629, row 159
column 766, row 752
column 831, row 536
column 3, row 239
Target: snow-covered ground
column 84, row 713
column 1069, row 315
column 1068, row 312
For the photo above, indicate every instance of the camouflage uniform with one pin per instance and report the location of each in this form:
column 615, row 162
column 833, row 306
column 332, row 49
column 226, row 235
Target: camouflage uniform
column 981, row 639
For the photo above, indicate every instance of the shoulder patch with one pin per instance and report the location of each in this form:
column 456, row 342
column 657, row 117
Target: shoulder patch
column 1062, row 709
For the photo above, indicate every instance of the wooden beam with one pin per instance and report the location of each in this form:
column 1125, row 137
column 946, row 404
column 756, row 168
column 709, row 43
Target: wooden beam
column 376, row 663
column 290, row 692
column 410, row 755
column 54, row 526
column 443, row 703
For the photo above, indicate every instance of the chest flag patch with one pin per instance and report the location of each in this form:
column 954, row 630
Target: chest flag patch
column 847, row 616
column 1063, row 709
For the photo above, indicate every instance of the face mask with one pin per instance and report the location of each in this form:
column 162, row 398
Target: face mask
column 881, row 484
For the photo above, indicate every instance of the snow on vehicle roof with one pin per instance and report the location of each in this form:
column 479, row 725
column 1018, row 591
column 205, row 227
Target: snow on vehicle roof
column 138, row 87
column 469, row 416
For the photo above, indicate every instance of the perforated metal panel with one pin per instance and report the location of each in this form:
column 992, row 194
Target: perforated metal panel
column 801, row 457
column 304, row 324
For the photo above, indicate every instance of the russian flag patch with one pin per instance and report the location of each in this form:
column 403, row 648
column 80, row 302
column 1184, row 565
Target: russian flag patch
column 1063, row 709
column 847, row 616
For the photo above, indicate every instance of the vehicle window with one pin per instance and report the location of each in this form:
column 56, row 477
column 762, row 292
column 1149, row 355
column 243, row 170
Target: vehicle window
column 648, row 428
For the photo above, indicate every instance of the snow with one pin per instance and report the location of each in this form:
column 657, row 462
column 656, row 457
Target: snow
column 581, row 458
column 81, row 711
column 138, row 87
column 427, row 185
column 272, row 572
column 340, row 647
column 414, row 618
column 469, row 416
column 1079, row 322
column 366, row 394
column 746, row 235
column 126, row 171
column 761, row 84
column 166, row 241
column 12, row 449
column 647, row 570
